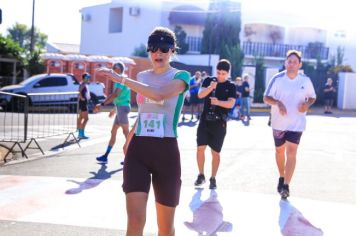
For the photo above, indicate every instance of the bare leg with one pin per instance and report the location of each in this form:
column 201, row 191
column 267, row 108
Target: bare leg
column 201, row 158
column 79, row 121
column 291, row 161
column 114, row 129
column 136, row 203
column 215, row 162
column 192, row 110
column 165, row 220
column 85, row 118
column 281, row 159
column 125, row 130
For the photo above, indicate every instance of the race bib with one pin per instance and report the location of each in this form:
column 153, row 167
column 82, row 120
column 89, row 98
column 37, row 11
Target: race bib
column 152, row 125
column 147, row 100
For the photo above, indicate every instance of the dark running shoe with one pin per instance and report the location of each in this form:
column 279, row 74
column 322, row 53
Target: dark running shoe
column 102, row 159
column 212, row 183
column 200, row 180
column 285, row 191
column 280, row 184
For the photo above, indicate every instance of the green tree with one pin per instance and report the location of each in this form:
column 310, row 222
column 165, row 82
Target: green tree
column 10, row 49
column 140, row 51
column 318, row 74
column 35, row 63
column 181, row 40
column 235, row 55
column 259, row 80
column 222, row 32
column 22, row 34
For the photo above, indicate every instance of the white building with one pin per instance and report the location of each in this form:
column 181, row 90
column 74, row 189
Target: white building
column 117, row 28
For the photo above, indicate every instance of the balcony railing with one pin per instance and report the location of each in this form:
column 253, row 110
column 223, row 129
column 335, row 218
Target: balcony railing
column 194, row 44
column 280, row 50
column 313, row 51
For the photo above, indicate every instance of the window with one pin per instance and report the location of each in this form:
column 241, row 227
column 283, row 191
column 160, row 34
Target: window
column 51, row 82
column 115, row 20
column 55, row 64
column 79, row 66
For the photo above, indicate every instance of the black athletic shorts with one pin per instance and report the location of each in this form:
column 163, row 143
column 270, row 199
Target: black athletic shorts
column 211, row 134
column 83, row 105
column 156, row 158
column 280, row 137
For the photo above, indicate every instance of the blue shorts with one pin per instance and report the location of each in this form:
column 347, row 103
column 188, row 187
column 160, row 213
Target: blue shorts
column 280, row 137
column 122, row 115
column 194, row 99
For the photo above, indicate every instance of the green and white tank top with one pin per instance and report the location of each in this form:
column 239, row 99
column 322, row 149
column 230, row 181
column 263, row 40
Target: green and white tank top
column 160, row 119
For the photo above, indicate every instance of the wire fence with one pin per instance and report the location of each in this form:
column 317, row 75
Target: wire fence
column 26, row 118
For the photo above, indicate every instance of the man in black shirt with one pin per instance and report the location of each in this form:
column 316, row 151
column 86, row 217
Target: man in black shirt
column 219, row 95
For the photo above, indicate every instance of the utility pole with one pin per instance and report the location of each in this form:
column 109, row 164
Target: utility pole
column 32, row 27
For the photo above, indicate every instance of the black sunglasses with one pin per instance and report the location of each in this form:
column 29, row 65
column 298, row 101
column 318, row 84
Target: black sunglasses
column 163, row 49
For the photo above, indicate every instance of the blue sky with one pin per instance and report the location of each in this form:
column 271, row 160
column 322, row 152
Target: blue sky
column 61, row 20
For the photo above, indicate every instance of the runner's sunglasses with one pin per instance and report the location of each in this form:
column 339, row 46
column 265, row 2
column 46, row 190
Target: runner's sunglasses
column 163, row 48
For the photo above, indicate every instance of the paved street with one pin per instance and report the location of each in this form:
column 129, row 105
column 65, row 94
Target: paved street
column 68, row 193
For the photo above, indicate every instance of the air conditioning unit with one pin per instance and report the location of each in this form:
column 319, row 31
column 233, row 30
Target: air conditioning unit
column 134, row 11
column 86, row 17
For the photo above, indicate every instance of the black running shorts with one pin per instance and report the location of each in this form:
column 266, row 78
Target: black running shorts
column 280, row 137
column 211, row 134
column 156, row 158
column 83, row 105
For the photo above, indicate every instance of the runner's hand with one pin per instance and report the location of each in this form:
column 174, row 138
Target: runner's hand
column 97, row 108
column 112, row 113
column 282, row 108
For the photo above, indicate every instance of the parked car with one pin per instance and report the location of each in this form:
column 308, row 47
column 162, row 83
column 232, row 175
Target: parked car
column 65, row 85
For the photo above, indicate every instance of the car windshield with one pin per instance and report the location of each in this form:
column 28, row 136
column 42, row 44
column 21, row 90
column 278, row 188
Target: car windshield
column 29, row 80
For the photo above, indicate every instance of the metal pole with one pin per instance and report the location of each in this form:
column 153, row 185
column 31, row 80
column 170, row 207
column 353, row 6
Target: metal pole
column 32, row 27
column 26, row 109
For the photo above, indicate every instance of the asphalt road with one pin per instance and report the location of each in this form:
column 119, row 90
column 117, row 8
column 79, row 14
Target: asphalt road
column 325, row 170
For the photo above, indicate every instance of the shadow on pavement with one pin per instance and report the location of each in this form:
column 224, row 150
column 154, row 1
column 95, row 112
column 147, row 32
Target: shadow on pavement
column 92, row 182
column 207, row 215
column 189, row 123
column 292, row 222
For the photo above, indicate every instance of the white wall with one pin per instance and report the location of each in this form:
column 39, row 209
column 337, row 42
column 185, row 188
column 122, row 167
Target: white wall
column 305, row 35
column 95, row 36
column 199, row 60
column 346, row 91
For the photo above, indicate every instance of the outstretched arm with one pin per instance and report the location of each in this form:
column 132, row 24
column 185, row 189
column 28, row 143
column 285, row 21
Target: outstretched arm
column 174, row 88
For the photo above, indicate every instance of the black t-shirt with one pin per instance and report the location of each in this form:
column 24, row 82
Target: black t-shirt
column 222, row 92
column 240, row 89
column 329, row 94
column 245, row 94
